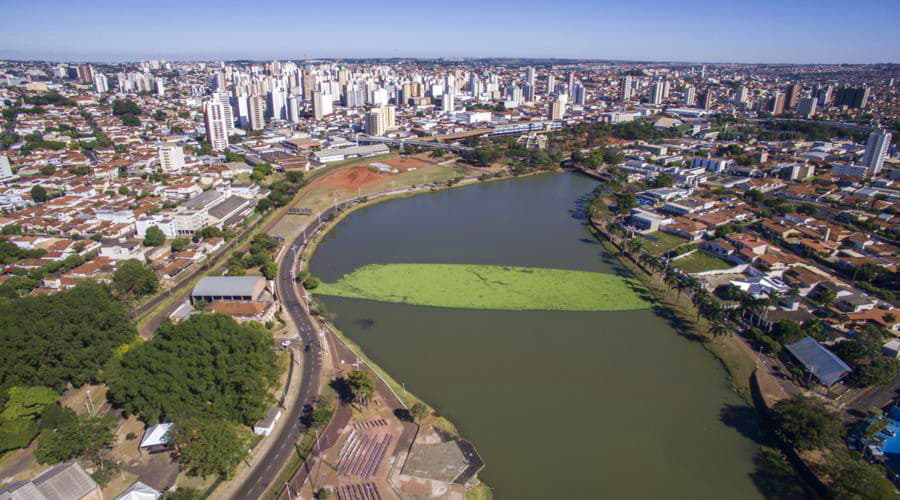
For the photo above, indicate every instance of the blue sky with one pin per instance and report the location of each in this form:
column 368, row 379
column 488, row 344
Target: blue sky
column 777, row 31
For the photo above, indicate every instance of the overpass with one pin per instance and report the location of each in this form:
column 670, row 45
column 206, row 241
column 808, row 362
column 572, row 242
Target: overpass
column 369, row 139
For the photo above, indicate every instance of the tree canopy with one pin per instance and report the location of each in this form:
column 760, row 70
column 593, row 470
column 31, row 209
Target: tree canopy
column 206, row 364
column 84, row 437
column 154, row 237
column 806, row 423
column 64, row 338
column 133, row 278
column 209, row 446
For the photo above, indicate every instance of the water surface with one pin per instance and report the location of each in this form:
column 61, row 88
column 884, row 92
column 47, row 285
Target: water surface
column 559, row 404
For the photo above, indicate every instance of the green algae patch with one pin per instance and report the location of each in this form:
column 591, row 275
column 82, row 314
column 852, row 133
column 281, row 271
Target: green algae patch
column 466, row 286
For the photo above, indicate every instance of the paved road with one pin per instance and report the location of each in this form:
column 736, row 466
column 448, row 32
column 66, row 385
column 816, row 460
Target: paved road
column 267, row 468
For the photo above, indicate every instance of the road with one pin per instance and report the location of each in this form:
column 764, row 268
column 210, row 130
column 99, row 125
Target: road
column 267, row 468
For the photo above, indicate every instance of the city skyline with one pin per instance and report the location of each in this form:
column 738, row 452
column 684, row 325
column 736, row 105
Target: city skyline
column 694, row 31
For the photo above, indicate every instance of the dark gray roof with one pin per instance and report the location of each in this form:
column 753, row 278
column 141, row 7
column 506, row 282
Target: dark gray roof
column 230, row 204
column 203, row 200
column 824, row 364
column 229, row 286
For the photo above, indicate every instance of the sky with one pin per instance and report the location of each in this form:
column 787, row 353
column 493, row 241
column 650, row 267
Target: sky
column 745, row 31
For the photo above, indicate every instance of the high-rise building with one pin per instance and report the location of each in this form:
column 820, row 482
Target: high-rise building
column 776, row 104
column 160, row 84
column 806, row 107
column 852, row 97
column 322, row 104
column 876, row 149
column 551, row 83
column 293, row 108
column 824, row 95
column 375, row 122
column 447, row 104
column 793, row 96
column 689, row 93
column 85, row 73
column 707, row 102
column 627, row 89
column 580, row 94
column 741, row 95
column 528, row 92
column 225, row 99
column 557, row 109
column 570, row 82
column 216, row 124
column 529, row 76
column 277, row 104
column 256, row 113
column 657, row 95
column 309, row 84
column 217, row 82
column 171, row 157
column 240, row 103
column 390, row 117
column 101, row 84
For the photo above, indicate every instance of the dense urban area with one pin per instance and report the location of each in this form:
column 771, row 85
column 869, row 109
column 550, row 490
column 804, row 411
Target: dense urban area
column 158, row 338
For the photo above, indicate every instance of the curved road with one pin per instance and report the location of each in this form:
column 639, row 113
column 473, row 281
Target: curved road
column 267, row 468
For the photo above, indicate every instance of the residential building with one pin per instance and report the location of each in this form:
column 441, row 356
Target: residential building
column 375, row 122
column 322, row 105
column 171, row 157
column 876, row 149
column 216, row 124
column 807, row 107
column 257, row 113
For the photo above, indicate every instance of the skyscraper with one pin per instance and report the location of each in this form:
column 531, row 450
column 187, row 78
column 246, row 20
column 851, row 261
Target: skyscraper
column 741, row 95
column 551, row 83
column 627, row 89
column 570, row 82
column 793, row 96
column 529, row 76
column 852, row 97
column 216, row 124
column 876, row 149
column 580, row 94
column 293, row 109
column 277, row 104
column 447, row 104
column 689, row 95
column 807, row 107
column 707, row 99
column 557, row 109
column 321, row 104
column 257, row 118
column 776, row 104
column 225, row 100
column 657, row 95
column 101, row 84
column 309, row 84
column 375, row 122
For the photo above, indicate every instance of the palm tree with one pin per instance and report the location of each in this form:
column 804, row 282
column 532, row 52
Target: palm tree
column 681, row 285
column 828, row 299
column 718, row 329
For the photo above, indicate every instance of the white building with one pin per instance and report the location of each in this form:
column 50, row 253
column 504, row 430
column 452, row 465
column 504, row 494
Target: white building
column 6, row 172
column 876, row 149
column 257, row 108
column 322, row 105
column 278, row 104
column 101, row 84
column 447, row 103
column 171, row 157
column 225, row 100
column 216, row 124
column 657, row 96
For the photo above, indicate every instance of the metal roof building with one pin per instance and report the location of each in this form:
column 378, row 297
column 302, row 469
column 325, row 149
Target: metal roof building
column 816, row 359
column 212, row 288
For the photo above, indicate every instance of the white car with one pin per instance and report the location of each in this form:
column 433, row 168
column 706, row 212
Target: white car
column 285, row 344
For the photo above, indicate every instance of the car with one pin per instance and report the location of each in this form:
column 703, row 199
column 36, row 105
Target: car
column 285, row 344
column 306, row 348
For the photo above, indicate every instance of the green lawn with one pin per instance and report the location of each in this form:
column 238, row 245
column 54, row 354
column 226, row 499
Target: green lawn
column 699, row 262
column 658, row 242
column 467, row 286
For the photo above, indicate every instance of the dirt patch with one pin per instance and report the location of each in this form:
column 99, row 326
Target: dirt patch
column 404, row 163
column 353, row 178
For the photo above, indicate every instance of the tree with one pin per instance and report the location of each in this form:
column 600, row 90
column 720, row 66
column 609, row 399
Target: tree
column 718, row 329
column 86, row 325
column 805, row 423
column 209, row 446
column 208, row 361
column 27, row 402
column 664, row 181
column 130, row 120
column 15, row 434
column 183, row 494
column 419, row 411
column 361, row 385
column 154, row 237
column 857, row 480
column 625, row 202
column 180, row 243
column 311, row 283
column 133, row 278
column 39, row 194
column 787, row 331
column 86, row 437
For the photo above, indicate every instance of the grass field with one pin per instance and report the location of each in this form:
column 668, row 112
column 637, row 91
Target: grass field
column 699, row 262
column 658, row 242
column 467, row 286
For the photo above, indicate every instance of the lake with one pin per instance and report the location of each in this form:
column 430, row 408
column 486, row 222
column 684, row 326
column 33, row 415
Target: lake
column 559, row 404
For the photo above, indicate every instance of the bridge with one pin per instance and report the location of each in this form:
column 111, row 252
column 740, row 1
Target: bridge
column 369, row 139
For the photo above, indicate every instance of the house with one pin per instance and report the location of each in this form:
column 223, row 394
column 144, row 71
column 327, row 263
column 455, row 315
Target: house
column 265, row 426
column 719, row 248
column 821, row 363
column 645, row 221
column 685, row 228
column 855, row 303
column 66, row 481
column 155, row 438
column 889, row 319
